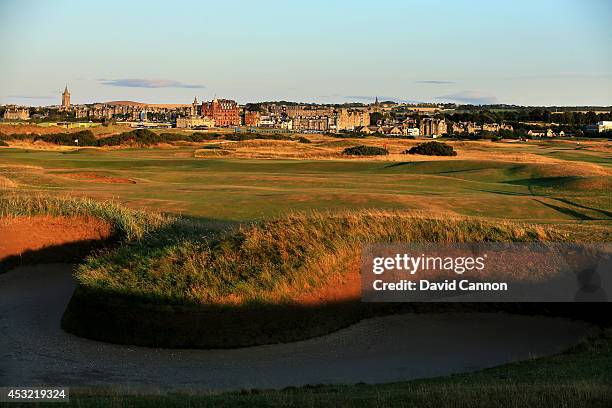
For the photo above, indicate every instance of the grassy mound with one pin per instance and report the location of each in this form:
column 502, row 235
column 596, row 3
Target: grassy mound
column 171, row 282
column 243, row 288
column 272, row 261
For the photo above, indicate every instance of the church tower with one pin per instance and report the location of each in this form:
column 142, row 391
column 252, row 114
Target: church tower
column 66, row 99
column 376, row 105
column 194, row 107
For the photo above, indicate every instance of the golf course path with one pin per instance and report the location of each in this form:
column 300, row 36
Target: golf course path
column 35, row 351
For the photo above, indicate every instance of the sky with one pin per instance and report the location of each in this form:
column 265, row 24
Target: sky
column 536, row 52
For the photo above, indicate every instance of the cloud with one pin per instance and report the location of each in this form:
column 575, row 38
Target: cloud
column 471, row 97
column 435, row 82
column 148, row 83
column 32, row 96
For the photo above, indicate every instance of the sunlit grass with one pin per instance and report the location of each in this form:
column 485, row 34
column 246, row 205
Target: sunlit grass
column 127, row 224
column 273, row 260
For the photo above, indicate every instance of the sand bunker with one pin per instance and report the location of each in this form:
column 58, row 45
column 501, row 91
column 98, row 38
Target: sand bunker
column 386, row 349
column 19, row 235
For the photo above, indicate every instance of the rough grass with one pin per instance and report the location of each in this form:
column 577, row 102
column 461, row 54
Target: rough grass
column 273, row 260
column 395, row 395
column 127, row 224
column 7, row 183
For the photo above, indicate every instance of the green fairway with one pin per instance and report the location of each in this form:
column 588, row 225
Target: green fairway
column 241, row 189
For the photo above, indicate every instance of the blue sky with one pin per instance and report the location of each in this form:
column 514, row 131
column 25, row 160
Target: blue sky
column 535, row 52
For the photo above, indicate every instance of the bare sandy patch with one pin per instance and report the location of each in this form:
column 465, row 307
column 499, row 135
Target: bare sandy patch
column 23, row 234
column 92, row 177
column 341, row 287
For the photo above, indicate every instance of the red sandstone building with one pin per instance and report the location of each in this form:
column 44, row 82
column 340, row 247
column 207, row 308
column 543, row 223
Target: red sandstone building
column 225, row 112
column 251, row 118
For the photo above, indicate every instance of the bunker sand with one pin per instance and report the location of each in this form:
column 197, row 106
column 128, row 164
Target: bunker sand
column 21, row 235
column 36, row 351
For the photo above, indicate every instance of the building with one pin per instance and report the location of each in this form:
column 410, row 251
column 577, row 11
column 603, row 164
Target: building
column 471, row 127
column 465, row 127
column 496, row 127
column 600, row 127
column 16, row 113
column 311, row 123
column 350, row 119
column 224, row 112
column 432, row 127
column 307, row 111
column 195, row 109
column 287, row 124
column 129, row 110
column 542, row 133
column 391, row 130
column 194, row 121
column 412, row 131
column 267, row 121
column 65, row 99
column 410, row 122
column 251, row 118
column 367, row 130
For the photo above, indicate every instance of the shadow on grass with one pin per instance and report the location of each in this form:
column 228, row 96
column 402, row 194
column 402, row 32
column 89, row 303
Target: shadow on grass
column 566, row 201
column 567, row 211
column 501, row 192
column 438, row 170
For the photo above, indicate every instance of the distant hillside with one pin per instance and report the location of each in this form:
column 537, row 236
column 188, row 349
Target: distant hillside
column 126, row 103
column 154, row 105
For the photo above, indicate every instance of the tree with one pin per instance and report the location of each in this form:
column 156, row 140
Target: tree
column 375, row 117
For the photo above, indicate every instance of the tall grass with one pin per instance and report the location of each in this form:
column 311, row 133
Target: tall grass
column 271, row 261
column 177, row 260
column 127, row 224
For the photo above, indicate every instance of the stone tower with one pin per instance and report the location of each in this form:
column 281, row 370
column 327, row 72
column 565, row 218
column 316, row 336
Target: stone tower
column 376, row 105
column 194, row 107
column 66, row 99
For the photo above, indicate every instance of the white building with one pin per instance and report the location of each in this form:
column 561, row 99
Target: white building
column 412, row 131
column 603, row 126
column 190, row 122
column 267, row 121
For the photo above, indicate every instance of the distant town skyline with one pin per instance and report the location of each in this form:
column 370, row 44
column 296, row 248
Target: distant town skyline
column 479, row 52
